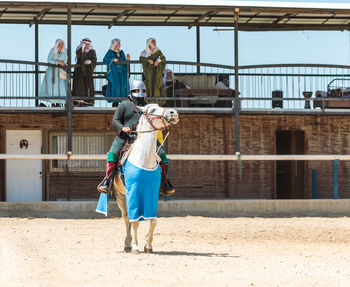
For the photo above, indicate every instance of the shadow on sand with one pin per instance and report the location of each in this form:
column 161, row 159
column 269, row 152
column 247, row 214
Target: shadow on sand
column 184, row 253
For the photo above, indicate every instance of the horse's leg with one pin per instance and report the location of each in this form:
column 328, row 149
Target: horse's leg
column 135, row 243
column 149, row 236
column 122, row 206
column 127, row 240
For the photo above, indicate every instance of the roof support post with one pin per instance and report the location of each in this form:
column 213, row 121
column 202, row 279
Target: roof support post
column 69, row 101
column 198, row 45
column 236, row 100
column 36, row 33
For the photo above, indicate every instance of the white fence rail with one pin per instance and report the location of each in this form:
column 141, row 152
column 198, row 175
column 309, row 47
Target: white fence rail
column 182, row 157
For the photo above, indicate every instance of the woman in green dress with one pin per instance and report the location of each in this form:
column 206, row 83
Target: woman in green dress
column 153, row 63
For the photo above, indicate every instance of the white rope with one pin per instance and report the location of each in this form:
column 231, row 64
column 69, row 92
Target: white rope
column 162, row 144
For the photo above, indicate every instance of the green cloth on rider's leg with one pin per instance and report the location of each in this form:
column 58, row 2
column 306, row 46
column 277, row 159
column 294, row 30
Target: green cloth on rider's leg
column 163, row 158
column 112, row 157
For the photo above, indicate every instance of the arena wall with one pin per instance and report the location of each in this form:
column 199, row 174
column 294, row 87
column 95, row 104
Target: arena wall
column 203, row 134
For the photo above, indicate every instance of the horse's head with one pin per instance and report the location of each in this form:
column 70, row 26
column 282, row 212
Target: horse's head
column 160, row 118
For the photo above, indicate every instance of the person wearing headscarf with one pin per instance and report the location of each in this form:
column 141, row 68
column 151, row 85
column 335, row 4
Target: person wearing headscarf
column 153, row 63
column 222, row 82
column 83, row 85
column 117, row 74
column 172, row 87
column 54, row 83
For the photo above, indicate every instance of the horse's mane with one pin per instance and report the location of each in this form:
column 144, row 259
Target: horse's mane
column 140, row 123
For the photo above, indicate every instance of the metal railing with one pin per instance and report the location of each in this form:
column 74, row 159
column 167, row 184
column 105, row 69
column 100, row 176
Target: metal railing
column 24, row 84
column 283, row 86
column 292, row 86
column 18, row 88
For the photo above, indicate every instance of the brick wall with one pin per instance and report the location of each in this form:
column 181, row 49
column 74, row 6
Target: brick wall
column 81, row 185
column 210, row 134
column 203, row 134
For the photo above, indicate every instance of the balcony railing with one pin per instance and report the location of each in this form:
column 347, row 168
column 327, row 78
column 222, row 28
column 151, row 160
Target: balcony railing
column 294, row 86
column 284, row 86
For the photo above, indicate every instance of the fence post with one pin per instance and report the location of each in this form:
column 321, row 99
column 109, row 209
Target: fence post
column 198, row 46
column 69, row 100
column 36, row 64
column 236, row 100
column 314, row 184
column 335, row 179
column 167, row 197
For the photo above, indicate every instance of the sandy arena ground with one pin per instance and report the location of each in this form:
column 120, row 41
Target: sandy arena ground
column 189, row 251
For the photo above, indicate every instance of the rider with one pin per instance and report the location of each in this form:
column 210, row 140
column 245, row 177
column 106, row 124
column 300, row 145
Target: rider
column 125, row 120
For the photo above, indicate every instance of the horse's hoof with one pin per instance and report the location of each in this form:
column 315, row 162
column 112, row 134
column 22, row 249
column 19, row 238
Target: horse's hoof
column 127, row 249
column 148, row 250
column 135, row 251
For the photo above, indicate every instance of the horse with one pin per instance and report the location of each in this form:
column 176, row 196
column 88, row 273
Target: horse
column 142, row 155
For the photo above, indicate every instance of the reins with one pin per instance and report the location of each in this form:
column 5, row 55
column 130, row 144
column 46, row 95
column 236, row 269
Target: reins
column 162, row 144
column 150, row 131
column 150, row 120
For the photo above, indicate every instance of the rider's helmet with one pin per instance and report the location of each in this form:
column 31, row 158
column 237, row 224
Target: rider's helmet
column 138, row 89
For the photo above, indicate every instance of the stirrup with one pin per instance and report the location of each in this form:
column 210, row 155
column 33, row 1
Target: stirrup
column 103, row 187
column 167, row 188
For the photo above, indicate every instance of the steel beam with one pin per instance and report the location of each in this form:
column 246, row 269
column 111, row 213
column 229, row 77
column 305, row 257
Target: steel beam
column 36, row 65
column 87, row 14
column 115, row 20
column 198, row 46
column 39, row 16
column 236, row 100
column 69, row 101
column 197, row 21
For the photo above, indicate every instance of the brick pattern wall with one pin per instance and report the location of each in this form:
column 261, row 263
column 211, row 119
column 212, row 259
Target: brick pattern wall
column 81, row 185
column 323, row 135
column 207, row 134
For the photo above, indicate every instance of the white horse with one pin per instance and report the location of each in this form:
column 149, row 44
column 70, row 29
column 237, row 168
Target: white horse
column 143, row 155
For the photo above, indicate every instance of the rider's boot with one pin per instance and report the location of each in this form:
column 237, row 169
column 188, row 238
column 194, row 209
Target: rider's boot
column 166, row 188
column 107, row 181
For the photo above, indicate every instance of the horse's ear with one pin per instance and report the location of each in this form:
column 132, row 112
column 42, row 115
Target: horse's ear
column 142, row 109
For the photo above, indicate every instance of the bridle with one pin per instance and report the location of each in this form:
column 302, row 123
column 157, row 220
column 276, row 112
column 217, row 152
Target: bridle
column 156, row 117
column 152, row 117
column 150, row 120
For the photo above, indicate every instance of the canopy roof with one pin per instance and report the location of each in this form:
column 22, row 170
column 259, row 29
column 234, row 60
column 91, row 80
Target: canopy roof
column 253, row 15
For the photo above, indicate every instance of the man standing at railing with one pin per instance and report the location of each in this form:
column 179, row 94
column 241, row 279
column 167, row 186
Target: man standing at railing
column 153, row 63
column 83, row 85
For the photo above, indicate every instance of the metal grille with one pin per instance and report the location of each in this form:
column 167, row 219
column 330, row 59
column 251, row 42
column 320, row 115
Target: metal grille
column 89, row 143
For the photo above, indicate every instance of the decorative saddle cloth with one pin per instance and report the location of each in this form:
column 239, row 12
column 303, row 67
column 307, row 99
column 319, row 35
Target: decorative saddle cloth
column 141, row 191
column 138, row 199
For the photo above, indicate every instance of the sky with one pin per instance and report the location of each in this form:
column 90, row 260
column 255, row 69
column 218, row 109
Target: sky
column 178, row 43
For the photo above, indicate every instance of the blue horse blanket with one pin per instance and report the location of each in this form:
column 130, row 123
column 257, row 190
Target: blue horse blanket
column 141, row 191
column 102, row 204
